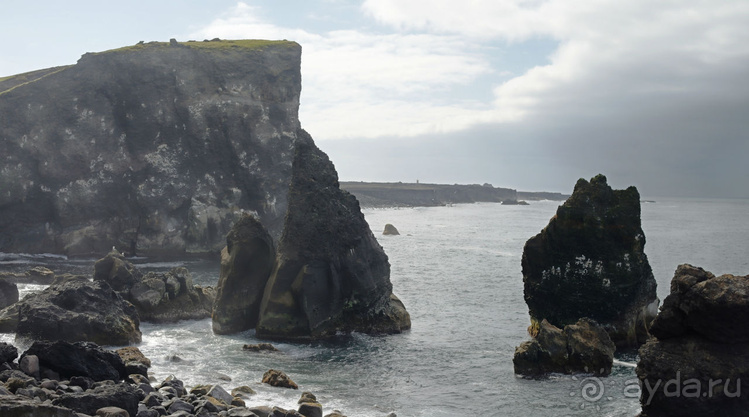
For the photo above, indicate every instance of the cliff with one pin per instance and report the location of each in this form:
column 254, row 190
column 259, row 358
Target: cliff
column 153, row 148
column 383, row 194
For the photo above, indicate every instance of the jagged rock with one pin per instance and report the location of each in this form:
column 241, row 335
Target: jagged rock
column 158, row 297
column 246, row 264
column 331, row 274
column 132, row 354
column 36, row 275
column 8, row 353
column 150, row 148
column 9, row 319
column 121, row 395
column 699, row 356
column 276, row 378
column 26, row 407
column 243, row 392
column 76, row 310
column 583, row 347
column 8, row 293
column 260, row 347
column 390, row 230
column 589, row 262
column 310, row 409
column 79, row 359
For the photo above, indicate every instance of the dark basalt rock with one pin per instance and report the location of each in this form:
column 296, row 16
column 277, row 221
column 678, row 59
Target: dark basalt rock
column 27, row 407
column 276, row 378
column 8, row 353
column 158, row 297
column 246, row 264
column 331, row 274
column 590, row 262
column 79, row 359
column 79, row 310
column 151, row 148
column 8, row 293
column 699, row 356
column 121, row 395
column 583, row 347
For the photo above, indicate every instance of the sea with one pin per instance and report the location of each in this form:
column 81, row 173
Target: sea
column 457, row 270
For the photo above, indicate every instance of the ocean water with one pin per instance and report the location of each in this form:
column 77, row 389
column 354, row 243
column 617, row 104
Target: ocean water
column 457, row 270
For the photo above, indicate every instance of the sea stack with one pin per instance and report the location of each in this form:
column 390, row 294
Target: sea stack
column 331, row 275
column 699, row 358
column 589, row 261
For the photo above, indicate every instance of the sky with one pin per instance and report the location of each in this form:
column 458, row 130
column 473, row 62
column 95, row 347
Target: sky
column 525, row 94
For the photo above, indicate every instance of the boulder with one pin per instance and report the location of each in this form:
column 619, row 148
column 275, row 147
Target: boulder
column 8, row 293
column 79, row 310
column 246, row 264
column 390, row 230
column 260, row 347
column 79, row 359
column 698, row 357
column 121, row 395
column 589, row 261
column 9, row 319
column 276, row 378
column 8, row 353
column 120, row 274
column 331, row 275
column 583, row 347
column 26, row 407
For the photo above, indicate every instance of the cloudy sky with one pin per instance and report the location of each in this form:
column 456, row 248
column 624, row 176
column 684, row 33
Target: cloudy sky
column 527, row 94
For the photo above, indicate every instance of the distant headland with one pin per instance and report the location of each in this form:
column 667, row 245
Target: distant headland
column 400, row 194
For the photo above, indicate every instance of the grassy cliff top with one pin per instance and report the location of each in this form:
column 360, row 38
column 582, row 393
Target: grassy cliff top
column 216, row 45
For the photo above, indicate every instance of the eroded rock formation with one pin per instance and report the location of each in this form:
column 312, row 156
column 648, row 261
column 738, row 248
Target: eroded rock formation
column 699, row 358
column 246, row 264
column 331, row 274
column 583, row 347
column 589, row 261
column 155, row 148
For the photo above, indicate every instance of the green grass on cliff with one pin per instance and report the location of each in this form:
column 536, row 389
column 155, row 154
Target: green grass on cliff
column 12, row 82
column 215, row 45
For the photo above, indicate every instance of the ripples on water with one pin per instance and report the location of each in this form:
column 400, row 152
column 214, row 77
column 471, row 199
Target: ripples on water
column 457, row 270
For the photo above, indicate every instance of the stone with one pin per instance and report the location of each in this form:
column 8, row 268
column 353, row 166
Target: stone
column 331, row 274
column 698, row 357
column 152, row 166
column 390, row 230
column 180, row 405
column 276, row 378
column 9, row 318
column 246, row 264
column 260, row 347
column 583, row 347
column 24, row 407
column 79, row 359
column 112, row 412
column 261, row 411
column 312, row 409
column 335, row 413
column 132, row 354
column 307, row 397
column 79, row 310
column 116, row 271
column 8, row 353
column 243, row 392
column 589, row 261
column 29, row 364
column 122, row 395
column 220, row 394
column 8, row 293
column 241, row 412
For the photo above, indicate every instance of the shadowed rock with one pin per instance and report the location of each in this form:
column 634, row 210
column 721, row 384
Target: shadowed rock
column 8, row 293
column 79, row 359
column 699, row 357
column 246, row 264
column 390, row 230
column 589, row 261
column 331, row 274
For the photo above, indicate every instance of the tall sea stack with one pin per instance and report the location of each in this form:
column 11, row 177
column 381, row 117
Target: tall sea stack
column 589, row 261
column 152, row 148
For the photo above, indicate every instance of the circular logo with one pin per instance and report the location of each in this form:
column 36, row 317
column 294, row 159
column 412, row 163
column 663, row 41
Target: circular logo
column 592, row 389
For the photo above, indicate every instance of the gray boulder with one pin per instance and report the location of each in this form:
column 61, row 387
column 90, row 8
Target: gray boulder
column 8, row 293
column 79, row 359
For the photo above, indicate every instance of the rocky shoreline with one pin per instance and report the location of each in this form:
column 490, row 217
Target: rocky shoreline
column 81, row 379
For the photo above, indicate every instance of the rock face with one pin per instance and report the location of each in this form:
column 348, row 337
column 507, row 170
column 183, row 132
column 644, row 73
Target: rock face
column 156, row 148
column 695, row 364
column 8, row 293
column 246, row 264
column 590, row 262
column 79, row 310
column 81, row 359
column 331, row 274
column 583, row 347
column 158, row 297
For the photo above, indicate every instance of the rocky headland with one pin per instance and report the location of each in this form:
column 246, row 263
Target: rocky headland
column 155, row 148
column 699, row 356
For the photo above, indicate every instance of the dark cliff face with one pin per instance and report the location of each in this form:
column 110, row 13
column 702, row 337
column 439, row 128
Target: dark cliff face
column 156, row 148
column 590, row 262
